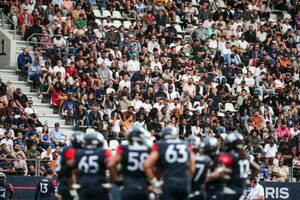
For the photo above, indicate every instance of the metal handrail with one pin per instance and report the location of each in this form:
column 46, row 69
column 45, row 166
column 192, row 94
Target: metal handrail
column 4, row 17
column 37, row 164
column 41, row 34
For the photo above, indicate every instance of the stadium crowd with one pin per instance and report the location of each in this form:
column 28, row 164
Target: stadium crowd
column 203, row 69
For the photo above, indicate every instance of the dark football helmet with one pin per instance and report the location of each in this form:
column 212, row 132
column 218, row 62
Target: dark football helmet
column 93, row 140
column 234, row 141
column 169, row 132
column 194, row 141
column 209, row 145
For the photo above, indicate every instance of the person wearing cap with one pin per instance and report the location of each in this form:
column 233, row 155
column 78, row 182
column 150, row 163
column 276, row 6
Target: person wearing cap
column 58, row 135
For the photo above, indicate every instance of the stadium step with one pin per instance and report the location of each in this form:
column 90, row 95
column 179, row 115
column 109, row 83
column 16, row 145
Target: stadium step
column 44, row 111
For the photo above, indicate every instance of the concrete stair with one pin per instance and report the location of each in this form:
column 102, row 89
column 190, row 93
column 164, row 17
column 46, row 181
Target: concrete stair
column 45, row 112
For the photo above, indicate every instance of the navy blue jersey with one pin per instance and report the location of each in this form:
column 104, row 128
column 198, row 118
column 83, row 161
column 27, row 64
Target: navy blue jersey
column 6, row 191
column 45, row 188
column 64, row 172
column 91, row 165
column 216, row 185
column 240, row 167
column 203, row 163
column 174, row 158
column 133, row 158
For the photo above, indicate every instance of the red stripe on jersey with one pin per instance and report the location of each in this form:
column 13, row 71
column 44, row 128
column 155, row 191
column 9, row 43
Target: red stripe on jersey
column 107, row 153
column 70, row 154
column 120, row 150
column 155, row 147
column 226, row 159
column 54, row 183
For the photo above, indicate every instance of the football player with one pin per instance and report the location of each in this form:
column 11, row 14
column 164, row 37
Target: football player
column 132, row 158
column 203, row 163
column 91, row 162
column 236, row 159
column 64, row 163
column 6, row 189
column 177, row 164
column 46, row 187
column 217, row 174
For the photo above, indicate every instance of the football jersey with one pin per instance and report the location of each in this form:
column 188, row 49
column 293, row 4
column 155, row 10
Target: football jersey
column 133, row 159
column 240, row 167
column 64, row 172
column 45, row 188
column 202, row 164
column 4, row 188
column 216, row 185
column 91, row 165
column 174, row 158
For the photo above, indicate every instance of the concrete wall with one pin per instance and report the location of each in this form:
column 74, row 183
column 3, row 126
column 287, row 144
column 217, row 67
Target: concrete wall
column 8, row 50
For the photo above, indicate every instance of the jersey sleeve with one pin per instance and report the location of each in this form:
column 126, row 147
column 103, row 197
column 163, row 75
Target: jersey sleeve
column 120, row 150
column 226, row 160
column 107, row 153
column 70, row 154
column 155, row 147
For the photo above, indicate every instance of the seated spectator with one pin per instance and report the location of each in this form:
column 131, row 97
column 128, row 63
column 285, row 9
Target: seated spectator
column 24, row 61
column 19, row 140
column 81, row 118
column 32, row 155
column 46, row 138
column 20, row 99
column 8, row 142
column 8, row 166
column 21, row 165
column 57, row 135
column 69, row 109
column 25, row 21
column 281, row 172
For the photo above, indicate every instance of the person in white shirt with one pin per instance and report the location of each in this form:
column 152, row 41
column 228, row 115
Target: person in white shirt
column 270, row 149
column 59, row 68
column 256, row 192
column 136, row 102
column 133, row 64
column 226, row 53
column 285, row 25
column 153, row 44
column 125, row 83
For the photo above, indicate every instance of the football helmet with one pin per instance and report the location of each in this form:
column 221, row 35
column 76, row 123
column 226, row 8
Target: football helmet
column 194, row 141
column 77, row 139
column 169, row 132
column 2, row 177
column 93, row 140
column 234, row 141
column 209, row 145
column 138, row 135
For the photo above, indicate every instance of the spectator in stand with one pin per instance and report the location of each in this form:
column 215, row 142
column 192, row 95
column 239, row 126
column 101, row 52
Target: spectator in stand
column 57, row 135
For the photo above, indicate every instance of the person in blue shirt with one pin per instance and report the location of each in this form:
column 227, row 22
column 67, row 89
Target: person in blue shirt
column 24, row 60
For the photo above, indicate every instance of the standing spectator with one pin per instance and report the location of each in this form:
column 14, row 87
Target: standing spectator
column 256, row 191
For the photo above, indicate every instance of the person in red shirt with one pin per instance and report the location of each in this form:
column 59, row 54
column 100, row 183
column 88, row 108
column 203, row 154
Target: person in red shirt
column 71, row 70
column 25, row 21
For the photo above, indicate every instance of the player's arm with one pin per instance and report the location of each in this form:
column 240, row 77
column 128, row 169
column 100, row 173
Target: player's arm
column 223, row 171
column 150, row 163
column 114, row 161
column 192, row 165
column 112, row 171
